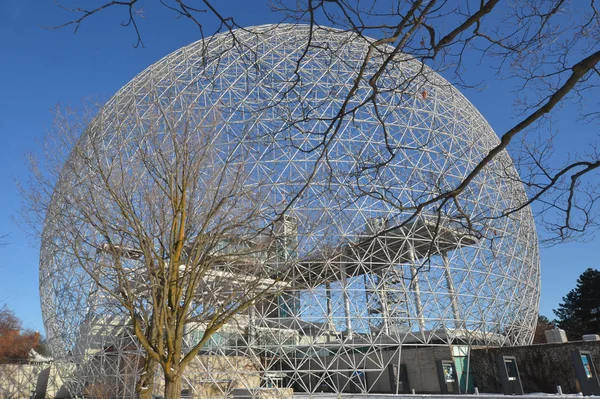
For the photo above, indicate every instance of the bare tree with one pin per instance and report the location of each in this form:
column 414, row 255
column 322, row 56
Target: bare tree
column 548, row 48
column 168, row 222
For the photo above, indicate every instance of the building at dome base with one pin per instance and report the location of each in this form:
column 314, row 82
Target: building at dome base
column 366, row 295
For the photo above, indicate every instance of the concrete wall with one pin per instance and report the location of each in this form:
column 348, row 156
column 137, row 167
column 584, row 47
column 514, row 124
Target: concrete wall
column 541, row 367
column 421, row 367
column 205, row 377
column 18, row 381
column 226, row 374
column 420, row 362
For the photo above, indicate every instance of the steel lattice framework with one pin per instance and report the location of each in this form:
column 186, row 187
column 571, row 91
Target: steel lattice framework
column 367, row 276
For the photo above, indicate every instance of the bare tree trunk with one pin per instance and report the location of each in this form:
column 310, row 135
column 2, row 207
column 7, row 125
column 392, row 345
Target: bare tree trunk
column 145, row 385
column 173, row 386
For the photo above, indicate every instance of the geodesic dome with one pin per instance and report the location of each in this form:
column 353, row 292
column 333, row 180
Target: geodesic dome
column 367, row 276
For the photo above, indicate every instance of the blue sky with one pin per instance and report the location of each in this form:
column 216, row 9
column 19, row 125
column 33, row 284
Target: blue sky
column 40, row 68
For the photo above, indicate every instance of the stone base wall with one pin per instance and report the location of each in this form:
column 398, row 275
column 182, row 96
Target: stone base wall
column 541, row 367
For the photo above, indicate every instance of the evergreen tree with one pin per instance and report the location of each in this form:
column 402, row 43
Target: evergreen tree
column 579, row 313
